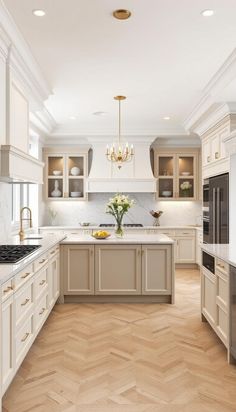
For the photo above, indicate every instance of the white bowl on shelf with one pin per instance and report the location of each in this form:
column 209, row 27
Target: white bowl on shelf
column 56, row 172
column 166, row 193
column 75, row 171
column 76, row 194
column 185, row 173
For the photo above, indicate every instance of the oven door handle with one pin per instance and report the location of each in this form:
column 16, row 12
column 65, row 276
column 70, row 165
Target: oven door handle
column 214, row 215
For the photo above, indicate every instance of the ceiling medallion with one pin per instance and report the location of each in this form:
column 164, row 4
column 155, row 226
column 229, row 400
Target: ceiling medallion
column 122, row 14
column 120, row 153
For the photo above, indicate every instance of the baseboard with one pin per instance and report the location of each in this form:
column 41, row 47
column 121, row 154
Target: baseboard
column 117, row 299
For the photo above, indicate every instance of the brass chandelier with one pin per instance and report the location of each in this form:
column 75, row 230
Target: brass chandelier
column 120, row 153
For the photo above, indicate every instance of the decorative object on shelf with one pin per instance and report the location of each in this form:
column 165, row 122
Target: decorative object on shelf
column 56, row 172
column 101, row 234
column 156, row 214
column 75, row 171
column 120, row 153
column 56, row 192
column 185, row 187
column 166, row 193
column 75, row 194
column 84, row 224
column 53, row 214
column 117, row 207
column 185, row 173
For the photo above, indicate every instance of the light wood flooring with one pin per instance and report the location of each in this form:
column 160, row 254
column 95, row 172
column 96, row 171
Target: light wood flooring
column 127, row 358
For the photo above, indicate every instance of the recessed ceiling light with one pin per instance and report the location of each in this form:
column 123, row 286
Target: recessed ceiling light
column 100, row 113
column 121, row 14
column 72, row 118
column 207, row 13
column 39, row 13
column 166, row 118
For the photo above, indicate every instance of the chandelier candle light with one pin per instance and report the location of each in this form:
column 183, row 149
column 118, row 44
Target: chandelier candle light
column 121, row 153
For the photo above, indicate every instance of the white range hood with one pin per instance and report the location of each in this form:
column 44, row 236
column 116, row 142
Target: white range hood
column 135, row 176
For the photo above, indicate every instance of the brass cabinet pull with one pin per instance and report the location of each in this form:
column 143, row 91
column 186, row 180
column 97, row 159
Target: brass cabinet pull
column 25, row 337
column 217, row 155
column 25, row 275
column 42, row 282
column 42, row 261
column 8, row 289
column 208, row 159
column 25, row 302
column 52, row 253
column 42, row 311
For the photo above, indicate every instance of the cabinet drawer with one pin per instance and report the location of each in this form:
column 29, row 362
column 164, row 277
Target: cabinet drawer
column 185, row 232
column 40, row 262
column 52, row 252
column 24, row 276
column 41, row 312
column 24, row 339
column 41, row 283
column 222, row 266
column 222, row 324
column 7, row 289
column 23, row 302
column 167, row 232
column 222, row 288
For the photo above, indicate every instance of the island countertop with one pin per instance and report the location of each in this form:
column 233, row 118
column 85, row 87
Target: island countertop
column 158, row 239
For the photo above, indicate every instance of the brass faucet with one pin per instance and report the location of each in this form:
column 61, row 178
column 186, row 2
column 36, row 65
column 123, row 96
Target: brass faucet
column 21, row 232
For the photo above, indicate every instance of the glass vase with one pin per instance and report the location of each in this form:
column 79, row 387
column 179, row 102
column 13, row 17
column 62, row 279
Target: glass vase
column 119, row 230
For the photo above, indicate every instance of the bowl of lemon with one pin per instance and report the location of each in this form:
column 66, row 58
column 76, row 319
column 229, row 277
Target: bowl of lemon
column 101, row 234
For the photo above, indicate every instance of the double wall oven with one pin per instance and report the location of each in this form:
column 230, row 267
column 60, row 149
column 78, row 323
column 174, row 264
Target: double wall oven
column 216, row 209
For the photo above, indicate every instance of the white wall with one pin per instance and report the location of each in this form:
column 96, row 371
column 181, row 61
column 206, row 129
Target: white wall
column 5, row 211
column 71, row 213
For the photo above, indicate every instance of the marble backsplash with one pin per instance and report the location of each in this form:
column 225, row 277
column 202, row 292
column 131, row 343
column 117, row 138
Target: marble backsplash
column 5, row 211
column 71, row 213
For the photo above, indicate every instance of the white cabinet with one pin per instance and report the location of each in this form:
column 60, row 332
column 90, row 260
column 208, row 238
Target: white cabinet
column 156, row 269
column 185, row 249
column 118, row 270
column 199, row 241
column 7, row 343
column 209, row 296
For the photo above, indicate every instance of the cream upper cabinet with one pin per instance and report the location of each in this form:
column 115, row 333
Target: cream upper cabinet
column 177, row 173
column 66, row 171
column 118, row 270
column 78, row 269
column 156, row 269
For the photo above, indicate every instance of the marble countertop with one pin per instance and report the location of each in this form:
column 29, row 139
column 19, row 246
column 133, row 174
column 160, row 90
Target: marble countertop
column 8, row 270
column 158, row 239
column 94, row 227
column 224, row 252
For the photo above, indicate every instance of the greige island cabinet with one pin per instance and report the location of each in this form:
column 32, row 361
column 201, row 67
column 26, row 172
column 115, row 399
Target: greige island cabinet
column 117, row 271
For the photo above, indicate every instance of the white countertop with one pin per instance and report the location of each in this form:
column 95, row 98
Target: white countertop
column 224, row 252
column 8, row 270
column 110, row 228
column 158, row 239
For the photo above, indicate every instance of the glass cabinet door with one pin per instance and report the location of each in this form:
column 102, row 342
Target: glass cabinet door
column 186, row 176
column 166, row 172
column 55, row 174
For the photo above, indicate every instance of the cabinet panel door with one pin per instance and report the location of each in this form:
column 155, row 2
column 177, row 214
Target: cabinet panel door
column 185, row 250
column 7, row 355
column 156, row 269
column 215, row 147
column 118, row 270
column 206, row 152
column 78, row 269
column 209, row 296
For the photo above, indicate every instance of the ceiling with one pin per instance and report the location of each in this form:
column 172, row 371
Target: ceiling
column 161, row 59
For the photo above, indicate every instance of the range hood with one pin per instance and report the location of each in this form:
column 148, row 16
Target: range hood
column 135, row 176
column 17, row 166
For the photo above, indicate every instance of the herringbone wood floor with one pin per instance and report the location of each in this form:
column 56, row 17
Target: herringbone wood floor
column 126, row 358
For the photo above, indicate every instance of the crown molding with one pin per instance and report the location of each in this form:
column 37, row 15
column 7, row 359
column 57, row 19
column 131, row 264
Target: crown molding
column 42, row 121
column 21, row 60
column 215, row 116
column 219, row 81
column 4, row 44
column 177, row 141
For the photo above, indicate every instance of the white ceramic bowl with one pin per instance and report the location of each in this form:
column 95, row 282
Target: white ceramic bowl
column 56, row 172
column 76, row 194
column 75, row 171
column 166, row 193
column 185, row 173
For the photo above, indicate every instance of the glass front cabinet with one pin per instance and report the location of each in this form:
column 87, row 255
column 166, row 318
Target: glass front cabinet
column 177, row 174
column 65, row 175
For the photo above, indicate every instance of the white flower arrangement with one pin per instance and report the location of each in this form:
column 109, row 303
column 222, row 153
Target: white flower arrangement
column 185, row 186
column 118, row 206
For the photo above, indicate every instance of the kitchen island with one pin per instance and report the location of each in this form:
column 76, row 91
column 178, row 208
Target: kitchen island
column 135, row 268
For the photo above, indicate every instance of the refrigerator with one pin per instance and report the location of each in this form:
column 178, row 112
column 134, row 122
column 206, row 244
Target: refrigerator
column 219, row 209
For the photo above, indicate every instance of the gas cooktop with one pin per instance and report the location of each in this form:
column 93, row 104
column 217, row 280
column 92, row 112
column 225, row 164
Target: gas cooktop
column 14, row 253
column 125, row 225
